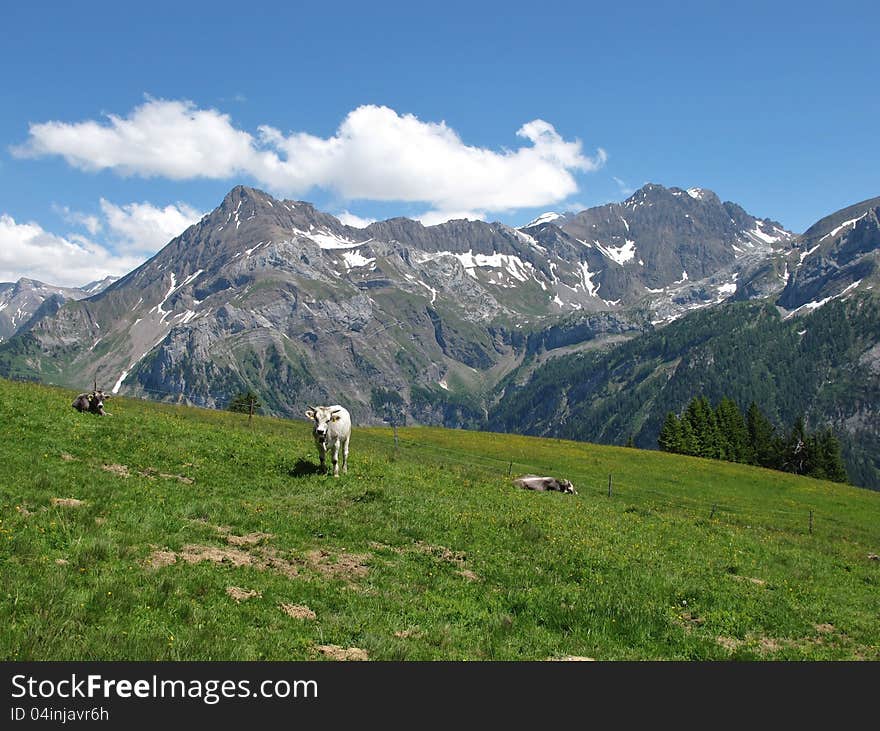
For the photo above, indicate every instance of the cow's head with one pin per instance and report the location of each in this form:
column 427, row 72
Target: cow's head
column 567, row 487
column 96, row 401
column 322, row 416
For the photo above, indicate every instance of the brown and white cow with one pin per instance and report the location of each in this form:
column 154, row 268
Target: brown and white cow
column 92, row 402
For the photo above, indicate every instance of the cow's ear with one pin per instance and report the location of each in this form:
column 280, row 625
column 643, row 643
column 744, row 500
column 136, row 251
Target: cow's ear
column 310, row 414
column 334, row 418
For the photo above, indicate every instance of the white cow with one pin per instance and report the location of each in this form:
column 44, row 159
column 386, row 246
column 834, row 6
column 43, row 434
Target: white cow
column 544, row 484
column 332, row 429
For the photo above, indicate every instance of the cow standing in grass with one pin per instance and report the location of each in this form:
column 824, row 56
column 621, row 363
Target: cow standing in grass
column 332, row 430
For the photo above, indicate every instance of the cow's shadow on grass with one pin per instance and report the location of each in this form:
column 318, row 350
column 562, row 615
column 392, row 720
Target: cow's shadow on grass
column 304, row 468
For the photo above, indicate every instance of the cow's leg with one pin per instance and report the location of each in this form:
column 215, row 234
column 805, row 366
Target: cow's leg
column 345, row 455
column 336, row 458
column 322, row 453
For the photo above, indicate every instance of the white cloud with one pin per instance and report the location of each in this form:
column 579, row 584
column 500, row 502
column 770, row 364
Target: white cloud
column 432, row 218
column 27, row 250
column 133, row 232
column 625, row 189
column 145, row 228
column 350, row 219
column 573, row 206
column 376, row 154
column 171, row 139
column 91, row 223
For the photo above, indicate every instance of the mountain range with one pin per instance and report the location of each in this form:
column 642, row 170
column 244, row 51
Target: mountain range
column 21, row 300
column 453, row 323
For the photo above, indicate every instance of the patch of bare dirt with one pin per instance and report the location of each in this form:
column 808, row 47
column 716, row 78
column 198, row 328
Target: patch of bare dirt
column 468, row 574
column 729, row 643
column 242, row 595
column 265, row 559
column 271, row 559
column 689, row 620
column 441, row 553
column 116, row 469
column 67, row 502
column 335, row 652
column 343, row 565
column 572, row 658
column 297, row 611
column 407, row 633
column 23, row 511
column 100, row 521
column 68, row 457
column 193, row 553
column 768, row 644
column 62, row 561
column 160, row 559
column 824, row 628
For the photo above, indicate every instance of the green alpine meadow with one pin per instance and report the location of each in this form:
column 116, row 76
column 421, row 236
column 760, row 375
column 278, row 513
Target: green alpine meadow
column 164, row 532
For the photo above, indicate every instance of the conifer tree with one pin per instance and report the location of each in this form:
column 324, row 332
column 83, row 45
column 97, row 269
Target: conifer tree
column 830, row 458
column 702, row 420
column 245, row 401
column 733, row 433
column 670, row 434
column 763, row 445
column 688, row 441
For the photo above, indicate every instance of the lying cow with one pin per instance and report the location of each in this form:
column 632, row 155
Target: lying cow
column 544, row 484
column 92, row 402
column 332, row 430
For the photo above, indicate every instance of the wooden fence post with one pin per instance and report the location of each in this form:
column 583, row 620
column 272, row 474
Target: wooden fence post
column 609, row 484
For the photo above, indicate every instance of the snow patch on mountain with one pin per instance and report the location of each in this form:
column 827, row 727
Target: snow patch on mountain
column 356, row 259
column 810, row 306
column 543, row 218
column 530, row 240
column 805, row 254
column 766, row 238
column 845, row 224
column 587, row 279
column 328, row 240
column 618, row 254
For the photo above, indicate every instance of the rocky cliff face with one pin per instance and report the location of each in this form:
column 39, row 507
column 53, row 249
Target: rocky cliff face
column 835, row 256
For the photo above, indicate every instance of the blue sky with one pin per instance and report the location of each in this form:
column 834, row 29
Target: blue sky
column 121, row 123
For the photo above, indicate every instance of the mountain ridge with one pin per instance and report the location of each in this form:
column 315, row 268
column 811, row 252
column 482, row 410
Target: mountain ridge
column 20, row 301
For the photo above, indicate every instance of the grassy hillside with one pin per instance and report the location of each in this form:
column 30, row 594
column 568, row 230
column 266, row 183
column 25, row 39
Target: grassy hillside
column 823, row 366
column 199, row 536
